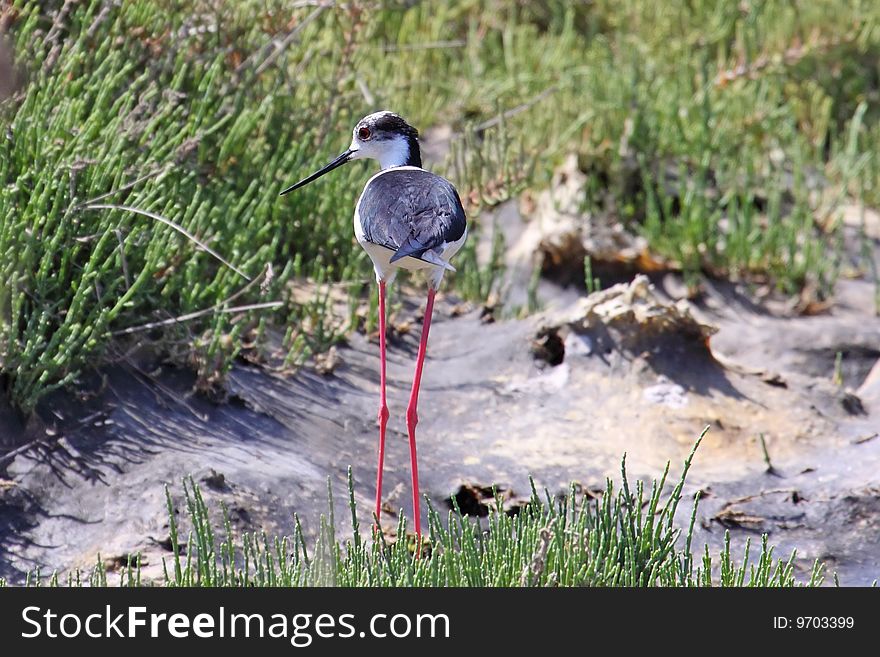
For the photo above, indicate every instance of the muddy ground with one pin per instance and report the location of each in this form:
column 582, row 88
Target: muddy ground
column 559, row 395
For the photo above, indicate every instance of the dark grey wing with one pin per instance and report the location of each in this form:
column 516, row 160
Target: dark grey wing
column 411, row 211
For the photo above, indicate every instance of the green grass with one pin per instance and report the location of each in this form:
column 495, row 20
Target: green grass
column 727, row 133
column 626, row 537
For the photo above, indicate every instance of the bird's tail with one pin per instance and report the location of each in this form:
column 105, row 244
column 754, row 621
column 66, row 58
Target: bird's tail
column 413, row 248
column 434, row 259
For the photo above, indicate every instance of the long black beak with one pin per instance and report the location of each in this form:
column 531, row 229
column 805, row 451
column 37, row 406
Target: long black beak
column 338, row 162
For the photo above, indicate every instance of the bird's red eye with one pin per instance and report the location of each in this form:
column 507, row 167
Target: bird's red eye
column 364, row 133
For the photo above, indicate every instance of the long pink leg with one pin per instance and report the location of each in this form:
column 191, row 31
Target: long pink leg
column 383, row 405
column 412, row 418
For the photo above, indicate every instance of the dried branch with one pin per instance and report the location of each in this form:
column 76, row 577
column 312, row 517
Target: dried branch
column 195, row 315
column 267, row 273
column 516, row 110
column 274, row 48
column 180, row 229
column 125, row 187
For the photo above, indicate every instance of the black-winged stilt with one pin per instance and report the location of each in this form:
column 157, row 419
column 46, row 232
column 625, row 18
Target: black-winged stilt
column 406, row 217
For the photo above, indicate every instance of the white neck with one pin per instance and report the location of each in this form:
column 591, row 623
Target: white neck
column 394, row 153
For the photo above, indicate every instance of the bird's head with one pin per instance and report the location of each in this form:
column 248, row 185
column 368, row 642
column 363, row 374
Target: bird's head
column 382, row 136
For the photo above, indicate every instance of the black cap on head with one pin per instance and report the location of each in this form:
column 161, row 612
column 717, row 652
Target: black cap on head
column 388, row 122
